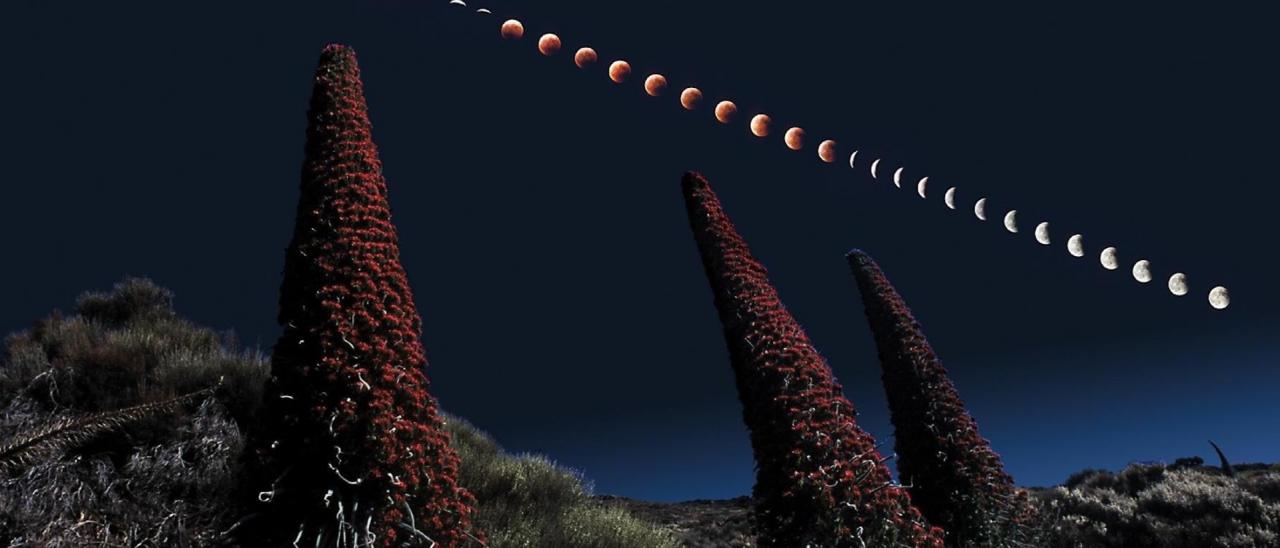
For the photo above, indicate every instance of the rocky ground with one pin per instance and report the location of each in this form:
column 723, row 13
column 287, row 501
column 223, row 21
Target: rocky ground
column 698, row 523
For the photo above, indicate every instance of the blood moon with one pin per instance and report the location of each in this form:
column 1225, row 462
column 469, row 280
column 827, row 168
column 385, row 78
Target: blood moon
column 549, row 44
column 512, row 29
column 619, row 71
column 584, row 57
column 655, row 84
column 690, row 98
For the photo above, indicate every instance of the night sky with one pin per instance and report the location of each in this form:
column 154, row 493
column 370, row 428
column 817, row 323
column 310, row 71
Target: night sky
column 543, row 230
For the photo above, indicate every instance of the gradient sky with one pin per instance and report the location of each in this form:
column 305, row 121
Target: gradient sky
column 541, row 222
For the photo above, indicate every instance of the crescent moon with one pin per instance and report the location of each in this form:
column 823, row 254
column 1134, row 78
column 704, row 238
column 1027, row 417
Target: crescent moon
column 1142, row 271
column 980, row 209
column 1011, row 220
column 1219, row 298
column 1108, row 259
column 1075, row 245
column 1042, row 233
column 484, row 11
column 457, row 3
column 853, row 157
column 950, row 198
column 921, row 186
column 897, row 178
column 874, row 165
column 1178, row 284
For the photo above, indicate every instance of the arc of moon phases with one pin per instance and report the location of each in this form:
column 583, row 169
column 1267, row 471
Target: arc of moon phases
column 1075, row 245
column 949, row 198
column 484, row 11
column 1178, row 284
column 852, row 158
column 794, row 138
column 725, row 111
column 549, row 44
column 584, row 57
column 897, row 177
column 1042, row 233
column 920, row 187
column 1011, row 220
column 690, row 98
column 980, row 209
column 1219, row 298
column 512, row 29
column 655, row 84
column 619, row 71
column 1142, row 271
column 827, row 151
column 874, row 165
column 760, row 125
column 1108, row 258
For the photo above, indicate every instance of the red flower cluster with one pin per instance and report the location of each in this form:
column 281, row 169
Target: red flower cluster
column 959, row 482
column 819, row 479
column 352, row 445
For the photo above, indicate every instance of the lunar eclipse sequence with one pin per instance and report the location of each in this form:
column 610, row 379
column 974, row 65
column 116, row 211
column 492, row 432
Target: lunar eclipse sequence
column 761, row 125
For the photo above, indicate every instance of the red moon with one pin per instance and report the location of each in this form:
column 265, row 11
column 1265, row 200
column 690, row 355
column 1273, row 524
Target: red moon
column 549, row 44
column 725, row 111
column 827, row 151
column 619, row 71
column 512, row 30
column 795, row 138
column 584, row 57
column 655, row 84
column 760, row 125
column 690, row 98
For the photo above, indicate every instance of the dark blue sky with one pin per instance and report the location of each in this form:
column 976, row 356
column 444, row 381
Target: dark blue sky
column 542, row 226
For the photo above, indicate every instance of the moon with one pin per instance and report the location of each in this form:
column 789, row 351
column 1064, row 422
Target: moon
column 980, row 209
column 584, row 57
column 549, row 44
column 1142, row 271
column 1108, row 259
column 725, row 111
column 920, row 187
column 1075, row 245
column 655, row 84
column 794, row 138
column 1042, row 233
column 827, row 151
column 1011, row 220
column 950, row 197
column 760, row 125
column 512, row 29
column 457, row 3
column 619, row 71
column 690, row 98
column 1219, row 298
column 1178, row 284
column 484, row 11
column 874, row 165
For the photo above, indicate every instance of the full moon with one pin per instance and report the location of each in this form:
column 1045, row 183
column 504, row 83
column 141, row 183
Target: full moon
column 980, row 209
column 1011, row 220
column 549, row 44
column 1178, row 284
column 1042, row 233
column 655, row 84
column 512, row 29
column 1142, row 271
column 725, row 111
column 1109, row 260
column 950, row 197
column 1219, row 298
column 584, row 57
column 1075, row 245
column 897, row 178
column 690, row 98
column 827, row 151
column 619, row 71
column 920, row 187
column 760, row 125
column 794, row 138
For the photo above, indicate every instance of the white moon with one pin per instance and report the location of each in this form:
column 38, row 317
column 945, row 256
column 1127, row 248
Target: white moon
column 1109, row 260
column 874, row 165
column 950, row 198
column 457, row 3
column 1219, row 298
column 1011, row 220
column 897, row 178
column 1042, row 233
column 980, row 209
column 921, row 186
column 853, row 157
column 1075, row 246
column 484, row 11
column 1142, row 271
column 1178, row 284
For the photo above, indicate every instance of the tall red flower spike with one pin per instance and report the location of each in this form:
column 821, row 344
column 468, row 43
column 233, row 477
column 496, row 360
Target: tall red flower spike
column 352, row 449
column 819, row 479
column 959, row 483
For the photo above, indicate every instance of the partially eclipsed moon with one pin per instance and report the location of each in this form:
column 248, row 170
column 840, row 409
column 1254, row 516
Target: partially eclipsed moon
column 549, row 44
column 1042, row 233
column 457, row 3
column 920, row 187
column 1109, row 260
column 1219, row 298
column 827, row 151
column 690, row 98
column 1075, row 245
column 760, row 125
column 874, row 165
column 512, row 29
column 1142, row 271
column 484, row 11
column 980, row 209
column 852, row 158
column 584, row 57
column 1178, row 284
column 725, row 111
column 794, row 138
column 655, row 84
column 950, row 197
column 897, row 177
column 1011, row 220
column 619, row 71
